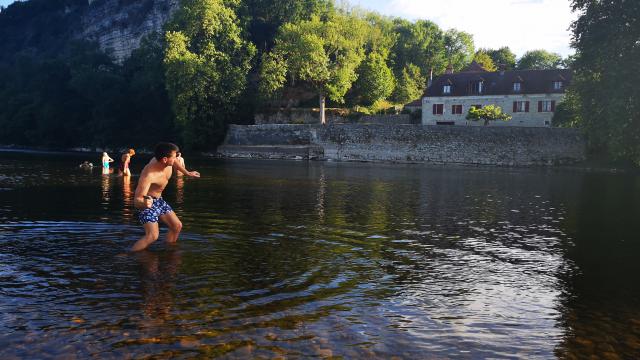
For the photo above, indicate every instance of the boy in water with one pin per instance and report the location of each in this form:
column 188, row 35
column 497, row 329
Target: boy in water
column 148, row 196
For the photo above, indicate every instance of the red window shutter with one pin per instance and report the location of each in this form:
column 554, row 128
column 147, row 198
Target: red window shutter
column 539, row 106
column 553, row 106
column 435, row 106
column 515, row 106
column 526, row 106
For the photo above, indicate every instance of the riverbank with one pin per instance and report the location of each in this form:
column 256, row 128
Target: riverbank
column 501, row 146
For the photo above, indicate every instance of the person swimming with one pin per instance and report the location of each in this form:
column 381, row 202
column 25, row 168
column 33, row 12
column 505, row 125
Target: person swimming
column 86, row 165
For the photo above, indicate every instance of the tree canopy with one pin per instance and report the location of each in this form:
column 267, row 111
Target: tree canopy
column 323, row 53
column 503, row 58
column 605, row 85
column 207, row 61
column 539, row 60
column 484, row 60
column 487, row 113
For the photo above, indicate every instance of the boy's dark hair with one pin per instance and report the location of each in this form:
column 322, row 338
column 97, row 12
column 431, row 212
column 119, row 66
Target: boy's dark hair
column 164, row 149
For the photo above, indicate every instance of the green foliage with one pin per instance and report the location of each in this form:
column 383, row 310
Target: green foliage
column 322, row 53
column 459, row 48
column 503, row 58
column 421, row 43
column 207, row 62
column 484, row 60
column 487, row 113
column 606, row 76
column 375, row 79
column 411, row 85
column 540, row 60
column 567, row 114
column 264, row 17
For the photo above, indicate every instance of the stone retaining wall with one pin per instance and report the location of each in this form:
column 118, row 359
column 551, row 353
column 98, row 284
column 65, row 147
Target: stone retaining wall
column 507, row 146
column 305, row 116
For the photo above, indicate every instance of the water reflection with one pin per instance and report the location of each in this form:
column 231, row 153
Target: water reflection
column 105, row 188
column 157, row 278
column 127, row 198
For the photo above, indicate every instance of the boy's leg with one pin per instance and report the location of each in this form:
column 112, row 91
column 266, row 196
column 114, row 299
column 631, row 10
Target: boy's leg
column 151, row 233
column 174, row 224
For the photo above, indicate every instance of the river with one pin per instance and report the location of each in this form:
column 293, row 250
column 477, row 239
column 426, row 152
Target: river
column 320, row 259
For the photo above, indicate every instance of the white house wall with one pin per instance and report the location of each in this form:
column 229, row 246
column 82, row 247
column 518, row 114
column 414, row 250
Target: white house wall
column 533, row 118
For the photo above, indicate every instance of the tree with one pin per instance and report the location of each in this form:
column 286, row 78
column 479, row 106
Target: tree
column 420, row 43
column 567, row 114
column 503, row 58
column 539, row 60
column 148, row 100
column 322, row 53
column 606, row 78
column 375, row 80
column 207, row 62
column 459, row 48
column 487, row 113
column 484, row 60
column 411, row 85
column 265, row 17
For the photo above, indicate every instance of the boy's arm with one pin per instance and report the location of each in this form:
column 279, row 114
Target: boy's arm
column 140, row 199
column 179, row 167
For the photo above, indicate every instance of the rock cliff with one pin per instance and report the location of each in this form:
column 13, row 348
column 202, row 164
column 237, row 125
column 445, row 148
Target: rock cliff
column 119, row 25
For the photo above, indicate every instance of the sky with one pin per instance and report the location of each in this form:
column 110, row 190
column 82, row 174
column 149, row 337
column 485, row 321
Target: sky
column 521, row 25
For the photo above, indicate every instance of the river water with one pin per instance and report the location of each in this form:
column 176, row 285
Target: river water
column 320, row 259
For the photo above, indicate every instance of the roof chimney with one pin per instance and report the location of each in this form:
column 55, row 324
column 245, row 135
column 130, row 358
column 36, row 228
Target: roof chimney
column 449, row 69
column 502, row 68
column 430, row 78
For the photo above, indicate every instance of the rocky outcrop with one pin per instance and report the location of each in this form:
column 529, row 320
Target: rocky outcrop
column 119, row 25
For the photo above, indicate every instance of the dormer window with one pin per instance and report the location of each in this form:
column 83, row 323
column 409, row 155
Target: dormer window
column 446, row 89
column 517, row 86
column 557, row 85
column 476, row 87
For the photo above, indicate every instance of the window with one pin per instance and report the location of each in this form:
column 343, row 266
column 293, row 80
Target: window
column 446, row 89
column 476, row 87
column 520, row 106
column 477, row 106
column 557, row 85
column 438, row 109
column 546, row 106
column 517, row 86
column 456, row 109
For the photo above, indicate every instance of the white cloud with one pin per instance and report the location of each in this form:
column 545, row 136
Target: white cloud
column 520, row 24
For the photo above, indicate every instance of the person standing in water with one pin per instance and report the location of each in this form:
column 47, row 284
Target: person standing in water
column 148, row 196
column 123, row 169
column 106, row 159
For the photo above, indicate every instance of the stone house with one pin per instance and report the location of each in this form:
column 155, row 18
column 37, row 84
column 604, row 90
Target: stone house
column 529, row 96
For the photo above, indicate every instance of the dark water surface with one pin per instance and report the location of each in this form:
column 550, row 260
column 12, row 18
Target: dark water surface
column 312, row 259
